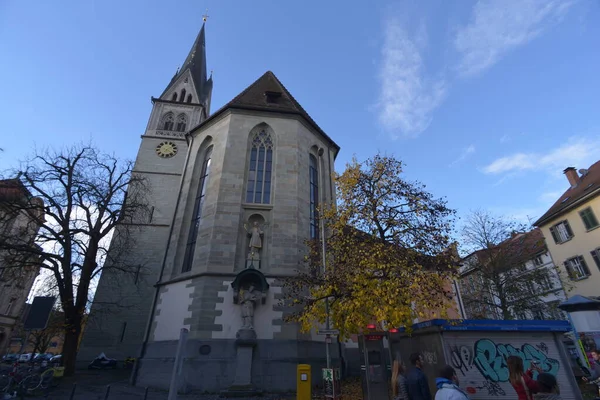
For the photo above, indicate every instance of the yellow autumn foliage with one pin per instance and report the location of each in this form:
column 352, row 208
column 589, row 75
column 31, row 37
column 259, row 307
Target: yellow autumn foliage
column 387, row 253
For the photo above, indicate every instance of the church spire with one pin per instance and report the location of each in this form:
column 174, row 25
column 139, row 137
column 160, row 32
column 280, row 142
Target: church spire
column 195, row 63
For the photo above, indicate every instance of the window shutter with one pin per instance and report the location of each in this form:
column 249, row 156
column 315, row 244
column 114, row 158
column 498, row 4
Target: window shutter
column 584, row 265
column 595, row 257
column 569, row 269
column 554, row 235
column 568, row 228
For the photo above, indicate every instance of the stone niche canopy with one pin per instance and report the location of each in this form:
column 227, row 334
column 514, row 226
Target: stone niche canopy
column 245, row 279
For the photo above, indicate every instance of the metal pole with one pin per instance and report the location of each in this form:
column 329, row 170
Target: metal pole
column 146, row 394
column 174, row 387
column 107, row 392
column 323, row 260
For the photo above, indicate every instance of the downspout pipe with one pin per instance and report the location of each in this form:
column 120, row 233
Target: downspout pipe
column 189, row 140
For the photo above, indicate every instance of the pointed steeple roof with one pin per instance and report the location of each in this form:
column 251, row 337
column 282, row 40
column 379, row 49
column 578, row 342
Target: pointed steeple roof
column 267, row 93
column 195, row 62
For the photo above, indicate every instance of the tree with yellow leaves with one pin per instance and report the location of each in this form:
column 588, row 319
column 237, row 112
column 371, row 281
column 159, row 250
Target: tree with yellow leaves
column 387, row 253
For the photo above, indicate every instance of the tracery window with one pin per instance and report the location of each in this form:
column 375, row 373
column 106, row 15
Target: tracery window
column 258, row 188
column 314, row 197
column 181, row 123
column 167, row 122
column 182, row 97
column 190, row 246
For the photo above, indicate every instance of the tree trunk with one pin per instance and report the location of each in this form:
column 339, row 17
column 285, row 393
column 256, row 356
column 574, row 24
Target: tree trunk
column 72, row 332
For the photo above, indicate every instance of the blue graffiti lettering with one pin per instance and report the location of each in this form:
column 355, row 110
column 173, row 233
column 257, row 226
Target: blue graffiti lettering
column 490, row 359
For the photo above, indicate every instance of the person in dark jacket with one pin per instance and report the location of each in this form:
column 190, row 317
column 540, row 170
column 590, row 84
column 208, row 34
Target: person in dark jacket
column 416, row 381
column 595, row 364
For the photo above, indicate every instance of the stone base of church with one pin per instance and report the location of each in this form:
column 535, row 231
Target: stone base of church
column 210, row 365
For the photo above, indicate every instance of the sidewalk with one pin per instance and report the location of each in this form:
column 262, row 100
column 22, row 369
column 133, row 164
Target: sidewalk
column 91, row 385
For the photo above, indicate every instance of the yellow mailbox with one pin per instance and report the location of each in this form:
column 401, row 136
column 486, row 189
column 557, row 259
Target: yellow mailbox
column 303, row 382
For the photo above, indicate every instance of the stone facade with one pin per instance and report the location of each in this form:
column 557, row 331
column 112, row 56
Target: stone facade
column 16, row 281
column 197, row 243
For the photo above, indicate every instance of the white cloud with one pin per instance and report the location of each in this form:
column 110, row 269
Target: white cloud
column 498, row 27
column 407, row 97
column 504, row 139
column 466, row 152
column 579, row 153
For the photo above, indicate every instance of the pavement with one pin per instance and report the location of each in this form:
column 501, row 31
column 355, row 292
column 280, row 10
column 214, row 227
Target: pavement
column 92, row 385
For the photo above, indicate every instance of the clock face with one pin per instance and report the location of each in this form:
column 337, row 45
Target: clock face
column 166, row 149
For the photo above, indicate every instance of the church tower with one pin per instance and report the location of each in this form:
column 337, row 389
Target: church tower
column 235, row 196
column 121, row 306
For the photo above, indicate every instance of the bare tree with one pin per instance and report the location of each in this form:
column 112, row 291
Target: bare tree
column 503, row 277
column 80, row 200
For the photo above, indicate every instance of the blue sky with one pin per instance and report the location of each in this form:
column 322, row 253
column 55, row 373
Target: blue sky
column 486, row 102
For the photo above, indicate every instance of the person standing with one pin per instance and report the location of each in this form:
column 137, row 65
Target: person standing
column 548, row 387
column 416, row 381
column 447, row 384
column 595, row 367
column 522, row 381
column 399, row 388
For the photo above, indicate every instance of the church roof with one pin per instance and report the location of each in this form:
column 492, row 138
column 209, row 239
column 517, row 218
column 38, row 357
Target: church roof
column 267, row 93
column 195, row 62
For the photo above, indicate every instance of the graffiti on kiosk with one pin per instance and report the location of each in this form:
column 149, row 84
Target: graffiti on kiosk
column 493, row 388
column 461, row 358
column 430, row 357
column 490, row 358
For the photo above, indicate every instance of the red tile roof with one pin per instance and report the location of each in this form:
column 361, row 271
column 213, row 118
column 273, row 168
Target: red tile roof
column 12, row 189
column 588, row 187
column 519, row 248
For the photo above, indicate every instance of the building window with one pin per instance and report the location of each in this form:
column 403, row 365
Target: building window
column 181, row 123
column 258, row 189
column 538, row 261
column 190, row 246
column 546, row 282
column 589, row 219
column 561, row 232
column 577, row 268
column 167, row 122
column 174, row 97
column 596, row 256
column 182, row 97
column 189, row 99
column 314, row 197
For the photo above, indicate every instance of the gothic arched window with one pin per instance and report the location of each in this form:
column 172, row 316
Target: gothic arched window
column 190, row 246
column 258, row 189
column 189, row 99
column 313, row 171
column 167, row 122
column 174, row 97
column 181, row 123
column 182, row 97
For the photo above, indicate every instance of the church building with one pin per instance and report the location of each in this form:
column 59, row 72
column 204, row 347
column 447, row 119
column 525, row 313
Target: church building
column 233, row 198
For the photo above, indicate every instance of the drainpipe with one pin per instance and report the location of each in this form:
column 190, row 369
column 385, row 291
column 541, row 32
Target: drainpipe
column 189, row 140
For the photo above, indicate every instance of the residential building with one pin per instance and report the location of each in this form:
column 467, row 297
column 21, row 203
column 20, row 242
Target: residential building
column 516, row 279
column 53, row 335
column 571, row 229
column 16, row 275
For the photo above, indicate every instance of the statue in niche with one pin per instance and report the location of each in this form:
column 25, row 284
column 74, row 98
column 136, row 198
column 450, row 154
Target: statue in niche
column 255, row 245
column 248, row 299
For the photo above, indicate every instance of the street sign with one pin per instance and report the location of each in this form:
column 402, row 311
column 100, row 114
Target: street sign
column 334, row 332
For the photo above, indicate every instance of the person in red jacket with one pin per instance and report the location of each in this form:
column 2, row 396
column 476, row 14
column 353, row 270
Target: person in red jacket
column 522, row 381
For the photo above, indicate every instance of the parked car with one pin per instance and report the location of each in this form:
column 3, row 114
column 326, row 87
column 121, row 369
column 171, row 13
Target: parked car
column 25, row 357
column 10, row 358
column 42, row 357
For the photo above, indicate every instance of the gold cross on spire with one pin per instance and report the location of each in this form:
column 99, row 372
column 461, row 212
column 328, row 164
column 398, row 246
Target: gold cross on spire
column 205, row 16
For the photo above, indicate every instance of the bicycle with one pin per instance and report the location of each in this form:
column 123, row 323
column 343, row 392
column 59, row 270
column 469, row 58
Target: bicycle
column 20, row 382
